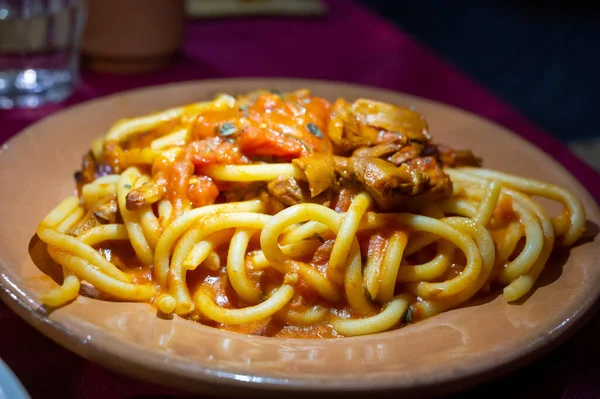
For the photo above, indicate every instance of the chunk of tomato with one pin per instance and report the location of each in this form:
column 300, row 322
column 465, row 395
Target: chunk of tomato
column 266, row 142
column 203, row 191
column 214, row 151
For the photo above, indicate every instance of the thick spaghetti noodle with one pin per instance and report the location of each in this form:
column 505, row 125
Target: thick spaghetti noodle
column 286, row 215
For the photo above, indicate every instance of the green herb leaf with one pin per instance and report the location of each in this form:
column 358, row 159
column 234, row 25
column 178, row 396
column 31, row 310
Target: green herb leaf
column 314, row 130
column 276, row 92
column 127, row 186
column 408, row 316
column 227, row 129
column 244, row 109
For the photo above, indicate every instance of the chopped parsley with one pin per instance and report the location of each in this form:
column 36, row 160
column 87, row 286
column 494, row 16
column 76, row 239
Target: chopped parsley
column 244, row 109
column 127, row 186
column 276, row 92
column 227, row 129
column 408, row 316
column 314, row 130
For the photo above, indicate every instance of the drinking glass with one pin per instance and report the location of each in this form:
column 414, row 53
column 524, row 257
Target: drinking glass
column 39, row 51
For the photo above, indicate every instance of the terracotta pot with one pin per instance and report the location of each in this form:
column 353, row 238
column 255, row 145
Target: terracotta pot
column 132, row 35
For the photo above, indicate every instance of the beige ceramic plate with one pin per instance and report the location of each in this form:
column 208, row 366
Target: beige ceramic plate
column 459, row 347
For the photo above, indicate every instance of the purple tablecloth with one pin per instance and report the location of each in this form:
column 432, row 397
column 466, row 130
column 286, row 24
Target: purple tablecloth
column 350, row 45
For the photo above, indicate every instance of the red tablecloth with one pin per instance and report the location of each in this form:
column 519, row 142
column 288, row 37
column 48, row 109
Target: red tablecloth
column 351, row 45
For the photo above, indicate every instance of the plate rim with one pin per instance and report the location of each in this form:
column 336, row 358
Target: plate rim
column 217, row 379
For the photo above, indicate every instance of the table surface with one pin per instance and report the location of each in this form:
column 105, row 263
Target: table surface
column 350, row 44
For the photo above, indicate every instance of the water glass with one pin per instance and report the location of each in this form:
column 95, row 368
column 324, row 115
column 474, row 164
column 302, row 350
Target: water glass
column 39, row 51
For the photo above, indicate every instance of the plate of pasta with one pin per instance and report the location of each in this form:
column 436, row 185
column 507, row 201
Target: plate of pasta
column 279, row 235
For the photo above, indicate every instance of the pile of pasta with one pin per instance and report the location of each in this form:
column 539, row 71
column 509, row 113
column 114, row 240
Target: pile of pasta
column 216, row 242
